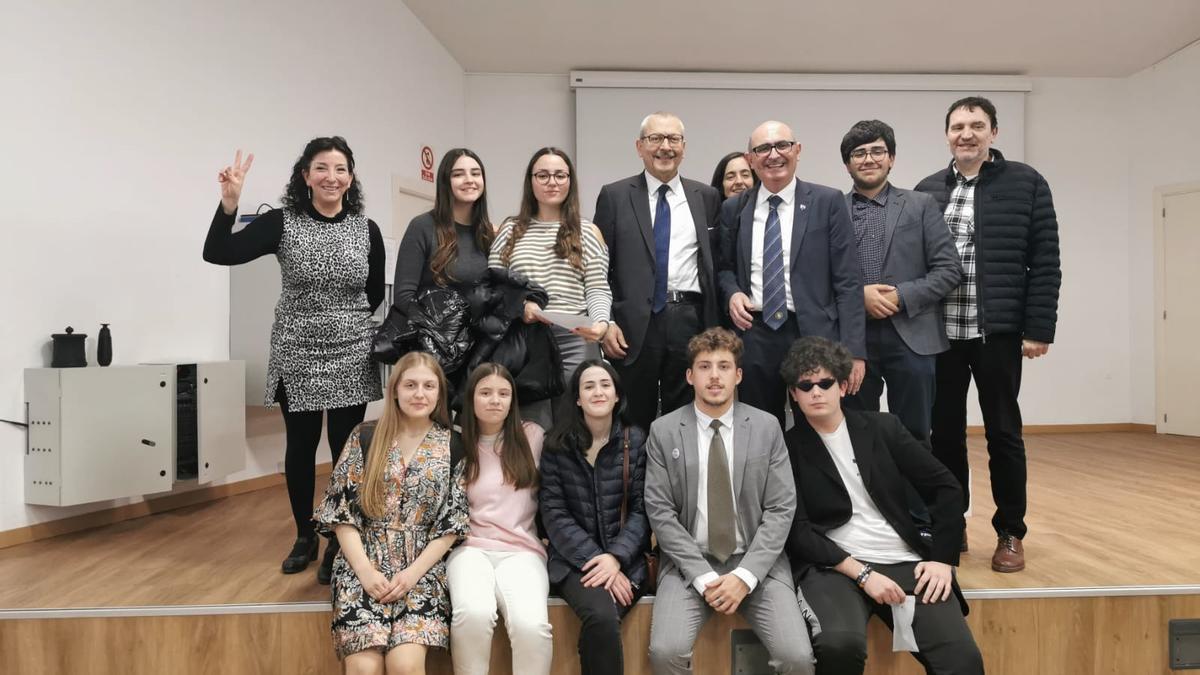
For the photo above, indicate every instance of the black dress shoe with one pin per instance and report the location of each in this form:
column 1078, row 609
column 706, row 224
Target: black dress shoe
column 325, row 569
column 303, row 552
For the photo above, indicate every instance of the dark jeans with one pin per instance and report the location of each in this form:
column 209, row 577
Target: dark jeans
column 840, row 612
column 996, row 367
column 600, row 617
column 303, row 430
column 910, row 381
column 659, row 372
column 762, row 354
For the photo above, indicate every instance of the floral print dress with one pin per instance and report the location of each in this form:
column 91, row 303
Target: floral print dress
column 425, row 500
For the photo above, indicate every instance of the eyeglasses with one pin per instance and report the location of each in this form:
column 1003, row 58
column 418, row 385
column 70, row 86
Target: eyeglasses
column 766, row 148
column 544, row 177
column 807, row 385
column 657, row 139
column 877, row 153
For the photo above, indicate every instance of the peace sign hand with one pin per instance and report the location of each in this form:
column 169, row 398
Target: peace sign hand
column 231, row 179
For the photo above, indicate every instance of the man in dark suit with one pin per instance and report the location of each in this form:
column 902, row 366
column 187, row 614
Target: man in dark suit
column 853, row 548
column 787, row 267
column 720, row 498
column 908, row 264
column 660, row 268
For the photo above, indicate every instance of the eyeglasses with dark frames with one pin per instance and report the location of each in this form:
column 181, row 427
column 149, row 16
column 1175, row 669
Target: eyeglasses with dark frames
column 877, row 153
column 766, row 148
column 544, row 177
column 657, row 139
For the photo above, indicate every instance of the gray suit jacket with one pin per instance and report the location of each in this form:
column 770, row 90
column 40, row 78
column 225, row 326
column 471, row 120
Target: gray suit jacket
column 764, row 491
column 920, row 260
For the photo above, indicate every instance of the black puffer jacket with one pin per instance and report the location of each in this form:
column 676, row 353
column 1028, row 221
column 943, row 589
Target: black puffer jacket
column 581, row 507
column 1016, row 247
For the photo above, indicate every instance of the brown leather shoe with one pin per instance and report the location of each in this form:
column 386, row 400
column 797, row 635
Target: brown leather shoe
column 963, row 547
column 1009, row 555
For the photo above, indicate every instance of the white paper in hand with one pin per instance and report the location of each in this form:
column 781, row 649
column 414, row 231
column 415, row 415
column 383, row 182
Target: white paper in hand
column 567, row 320
column 903, row 639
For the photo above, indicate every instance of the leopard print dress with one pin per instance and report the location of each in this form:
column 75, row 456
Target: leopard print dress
column 321, row 338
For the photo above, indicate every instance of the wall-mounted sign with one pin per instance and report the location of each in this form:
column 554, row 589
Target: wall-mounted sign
column 427, row 163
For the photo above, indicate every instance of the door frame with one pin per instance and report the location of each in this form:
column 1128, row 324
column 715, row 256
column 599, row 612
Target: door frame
column 1160, row 291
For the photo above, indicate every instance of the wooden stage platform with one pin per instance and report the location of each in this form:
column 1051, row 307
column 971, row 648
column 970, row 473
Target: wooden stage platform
column 1113, row 553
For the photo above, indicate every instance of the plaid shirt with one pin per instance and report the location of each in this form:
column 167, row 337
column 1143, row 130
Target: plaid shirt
column 870, row 217
column 960, row 305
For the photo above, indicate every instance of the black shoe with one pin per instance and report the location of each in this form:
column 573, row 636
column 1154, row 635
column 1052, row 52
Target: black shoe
column 303, row 552
column 325, row 569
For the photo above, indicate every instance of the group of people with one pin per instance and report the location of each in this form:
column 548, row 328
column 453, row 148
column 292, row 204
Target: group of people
column 716, row 309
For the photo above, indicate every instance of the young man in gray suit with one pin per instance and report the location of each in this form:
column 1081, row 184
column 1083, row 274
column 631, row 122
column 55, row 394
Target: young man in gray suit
column 660, row 268
column 720, row 497
column 908, row 264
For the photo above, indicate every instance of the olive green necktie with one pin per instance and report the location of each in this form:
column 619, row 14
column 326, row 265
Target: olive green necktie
column 722, row 537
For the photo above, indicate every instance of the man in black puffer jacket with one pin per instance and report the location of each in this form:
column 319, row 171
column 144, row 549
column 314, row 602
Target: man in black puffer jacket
column 1001, row 218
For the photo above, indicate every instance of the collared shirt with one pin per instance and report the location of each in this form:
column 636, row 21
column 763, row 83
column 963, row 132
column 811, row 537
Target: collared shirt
column 869, row 215
column 683, row 269
column 704, row 436
column 960, row 305
column 785, row 210
column 867, row 535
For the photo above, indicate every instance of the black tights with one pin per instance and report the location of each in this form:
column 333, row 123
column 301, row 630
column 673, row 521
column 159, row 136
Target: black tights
column 300, row 461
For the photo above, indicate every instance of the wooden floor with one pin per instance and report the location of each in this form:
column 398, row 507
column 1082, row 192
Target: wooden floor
column 1107, row 509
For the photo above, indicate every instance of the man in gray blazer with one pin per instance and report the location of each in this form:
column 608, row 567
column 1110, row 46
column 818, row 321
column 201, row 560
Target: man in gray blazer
column 908, row 264
column 720, row 497
column 660, row 267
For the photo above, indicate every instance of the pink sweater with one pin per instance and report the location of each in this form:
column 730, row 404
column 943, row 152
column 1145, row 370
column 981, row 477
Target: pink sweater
column 502, row 516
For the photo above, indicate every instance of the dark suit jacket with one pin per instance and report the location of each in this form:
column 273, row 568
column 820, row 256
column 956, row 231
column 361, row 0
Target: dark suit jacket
column 623, row 216
column 825, row 281
column 888, row 456
column 920, row 260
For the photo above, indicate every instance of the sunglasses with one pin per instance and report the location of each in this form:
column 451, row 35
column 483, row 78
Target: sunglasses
column 807, row 385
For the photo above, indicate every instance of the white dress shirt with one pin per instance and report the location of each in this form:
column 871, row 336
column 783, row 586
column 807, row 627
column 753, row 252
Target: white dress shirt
column 704, row 436
column 785, row 210
column 683, row 267
column 867, row 535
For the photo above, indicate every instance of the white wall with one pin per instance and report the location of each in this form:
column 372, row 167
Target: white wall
column 1164, row 150
column 118, row 117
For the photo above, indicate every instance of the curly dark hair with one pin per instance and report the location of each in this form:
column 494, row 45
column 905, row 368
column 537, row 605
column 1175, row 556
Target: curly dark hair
column 810, row 354
column 296, row 195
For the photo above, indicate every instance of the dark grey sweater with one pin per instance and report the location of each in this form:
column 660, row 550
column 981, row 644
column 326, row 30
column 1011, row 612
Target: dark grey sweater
column 416, row 252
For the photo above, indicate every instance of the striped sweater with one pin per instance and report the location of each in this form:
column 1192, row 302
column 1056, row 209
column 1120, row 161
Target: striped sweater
column 570, row 290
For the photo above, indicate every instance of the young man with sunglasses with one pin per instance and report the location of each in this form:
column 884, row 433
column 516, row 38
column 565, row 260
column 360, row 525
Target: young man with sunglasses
column 787, row 267
column 853, row 547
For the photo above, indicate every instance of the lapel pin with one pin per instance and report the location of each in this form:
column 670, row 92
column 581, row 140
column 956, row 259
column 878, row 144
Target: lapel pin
column 674, row 453
column 802, row 207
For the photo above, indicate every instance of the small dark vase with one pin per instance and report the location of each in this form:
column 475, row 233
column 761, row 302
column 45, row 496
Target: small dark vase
column 104, row 346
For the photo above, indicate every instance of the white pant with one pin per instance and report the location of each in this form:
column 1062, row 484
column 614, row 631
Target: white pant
column 482, row 582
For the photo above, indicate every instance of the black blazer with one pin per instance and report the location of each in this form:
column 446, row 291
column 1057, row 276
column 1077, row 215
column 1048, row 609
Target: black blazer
column 887, row 454
column 623, row 216
column 824, row 275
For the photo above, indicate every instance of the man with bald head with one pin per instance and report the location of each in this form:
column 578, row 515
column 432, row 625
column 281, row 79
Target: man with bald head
column 787, row 267
column 660, row 268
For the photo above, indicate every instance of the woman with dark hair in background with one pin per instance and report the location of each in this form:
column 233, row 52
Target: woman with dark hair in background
column 550, row 244
column 446, row 249
column 331, row 259
column 501, row 567
column 733, row 175
column 592, row 512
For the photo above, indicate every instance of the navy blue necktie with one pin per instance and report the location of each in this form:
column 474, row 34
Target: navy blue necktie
column 774, row 303
column 662, row 247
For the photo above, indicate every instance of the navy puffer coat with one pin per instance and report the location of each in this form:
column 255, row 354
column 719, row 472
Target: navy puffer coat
column 581, row 507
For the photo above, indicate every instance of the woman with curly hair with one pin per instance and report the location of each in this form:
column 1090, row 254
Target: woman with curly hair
column 331, row 259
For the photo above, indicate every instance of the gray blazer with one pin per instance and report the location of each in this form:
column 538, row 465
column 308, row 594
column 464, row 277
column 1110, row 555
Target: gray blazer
column 920, row 260
column 764, row 491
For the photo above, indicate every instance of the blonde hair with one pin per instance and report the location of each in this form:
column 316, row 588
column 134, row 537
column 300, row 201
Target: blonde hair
column 372, row 496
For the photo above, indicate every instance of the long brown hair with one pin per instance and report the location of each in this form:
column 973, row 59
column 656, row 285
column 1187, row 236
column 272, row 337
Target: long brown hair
column 443, row 218
column 371, row 494
column 516, row 458
column 569, row 244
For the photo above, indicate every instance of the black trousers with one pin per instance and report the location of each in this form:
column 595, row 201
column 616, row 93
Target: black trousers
column 659, row 372
column 763, row 351
column 910, row 379
column 600, row 617
column 996, row 366
column 303, row 429
column 839, row 612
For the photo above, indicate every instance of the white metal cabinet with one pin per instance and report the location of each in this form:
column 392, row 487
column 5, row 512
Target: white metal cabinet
column 221, row 418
